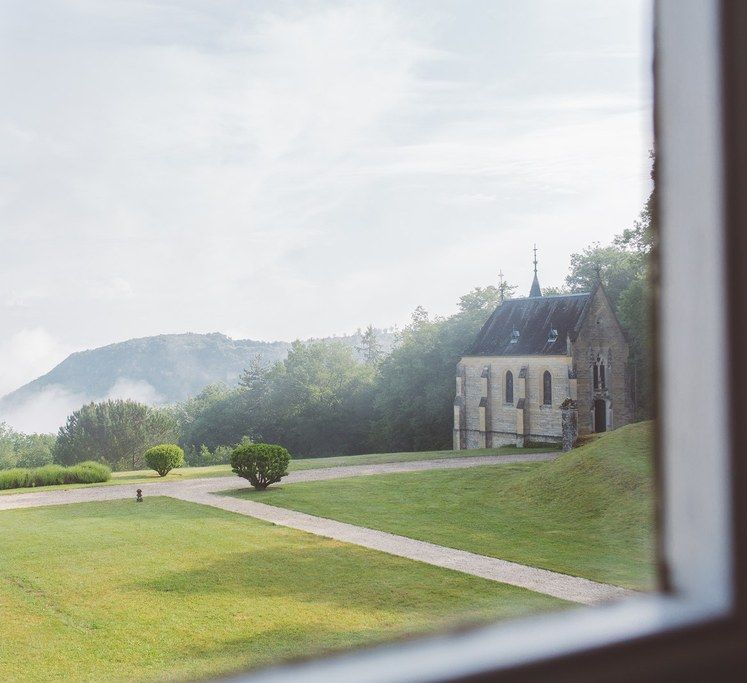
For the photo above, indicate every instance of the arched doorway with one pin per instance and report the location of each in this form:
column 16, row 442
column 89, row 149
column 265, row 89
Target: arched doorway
column 600, row 415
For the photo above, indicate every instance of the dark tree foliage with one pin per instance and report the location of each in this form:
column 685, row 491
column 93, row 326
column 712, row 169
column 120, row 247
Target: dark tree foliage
column 414, row 391
column 217, row 416
column 318, row 402
column 115, row 432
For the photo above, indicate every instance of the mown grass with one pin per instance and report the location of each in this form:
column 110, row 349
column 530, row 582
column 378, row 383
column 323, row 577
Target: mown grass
column 588, row 513
column 184, row 473
column 169, row 590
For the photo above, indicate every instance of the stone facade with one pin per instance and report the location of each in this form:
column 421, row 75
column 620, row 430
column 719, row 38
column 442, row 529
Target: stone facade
column 526, row 418
column 591, row 369
column 601, row 342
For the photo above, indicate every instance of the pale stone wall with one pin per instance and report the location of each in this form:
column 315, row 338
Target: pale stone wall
column 502, row 421
column 602, row 336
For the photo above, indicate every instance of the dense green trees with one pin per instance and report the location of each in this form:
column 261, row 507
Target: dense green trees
column 414, row 390
column 24, row 450
column 317, row 401
column 116, row 432
column 217, row 416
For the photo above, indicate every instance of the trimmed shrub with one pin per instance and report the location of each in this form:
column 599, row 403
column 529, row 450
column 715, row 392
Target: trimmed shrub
column 164, row 458
column 52, row 475
column 261, row 464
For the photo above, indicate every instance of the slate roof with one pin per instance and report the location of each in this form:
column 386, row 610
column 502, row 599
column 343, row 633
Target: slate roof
column 532, row 318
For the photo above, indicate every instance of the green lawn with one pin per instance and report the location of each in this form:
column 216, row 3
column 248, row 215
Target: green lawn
column 149, row 476
column 166, row 589
column 588, row 513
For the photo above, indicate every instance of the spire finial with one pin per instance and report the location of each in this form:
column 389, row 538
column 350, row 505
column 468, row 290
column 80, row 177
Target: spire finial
column 535, row 290
column 501, row 286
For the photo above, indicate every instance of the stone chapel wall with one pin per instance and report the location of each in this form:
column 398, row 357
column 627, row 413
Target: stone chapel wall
column 601, row 334
column 541, row 422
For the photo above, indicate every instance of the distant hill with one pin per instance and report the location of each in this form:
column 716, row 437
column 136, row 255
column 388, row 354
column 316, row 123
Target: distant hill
column 156, row 370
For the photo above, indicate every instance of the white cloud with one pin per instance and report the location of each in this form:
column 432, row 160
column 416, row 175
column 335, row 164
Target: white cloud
column 112, row 289
column 135, row 390
column 27, row 354
column 44, row 413
column 222, row 166
column 48, row 410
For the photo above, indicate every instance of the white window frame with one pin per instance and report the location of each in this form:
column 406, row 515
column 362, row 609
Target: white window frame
column 697, row 543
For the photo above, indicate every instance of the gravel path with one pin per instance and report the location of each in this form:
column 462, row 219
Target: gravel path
column 562, row 586
column 117, row 492
column 203, row 491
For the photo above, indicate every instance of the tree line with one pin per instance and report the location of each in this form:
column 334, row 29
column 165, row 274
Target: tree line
column 324, row 399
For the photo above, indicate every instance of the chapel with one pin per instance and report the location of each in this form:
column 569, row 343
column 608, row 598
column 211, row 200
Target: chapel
column 536, row 356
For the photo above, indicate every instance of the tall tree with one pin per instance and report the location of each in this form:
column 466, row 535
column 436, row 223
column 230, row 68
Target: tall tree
column 319, row 401
column 255, row 376
column 217, row 416
column 369, row 347
column 486, row 298
column 414, row 392
column 116, row 432
column 615, row 265
column 8, row 456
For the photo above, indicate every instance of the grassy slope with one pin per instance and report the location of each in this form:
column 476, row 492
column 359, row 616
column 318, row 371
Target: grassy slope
column 171, row 590
column 588, row 513
column 149, row 476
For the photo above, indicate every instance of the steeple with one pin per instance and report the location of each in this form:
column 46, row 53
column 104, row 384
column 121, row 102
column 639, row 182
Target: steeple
column 535, row 291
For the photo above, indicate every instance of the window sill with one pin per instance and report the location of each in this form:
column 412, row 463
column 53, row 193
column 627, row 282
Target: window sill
column 503, row 646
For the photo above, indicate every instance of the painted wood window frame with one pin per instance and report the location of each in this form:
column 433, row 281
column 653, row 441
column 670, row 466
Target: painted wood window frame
column 697, row 623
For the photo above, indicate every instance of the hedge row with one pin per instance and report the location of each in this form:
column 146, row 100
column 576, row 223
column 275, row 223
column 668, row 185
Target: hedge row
column 83, row 473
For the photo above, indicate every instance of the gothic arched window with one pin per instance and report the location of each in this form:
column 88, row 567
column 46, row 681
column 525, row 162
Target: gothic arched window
column 547, row 388
column 602, row 378
column 509, row 387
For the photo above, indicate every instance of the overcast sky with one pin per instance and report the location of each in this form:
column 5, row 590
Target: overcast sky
column 281, row 170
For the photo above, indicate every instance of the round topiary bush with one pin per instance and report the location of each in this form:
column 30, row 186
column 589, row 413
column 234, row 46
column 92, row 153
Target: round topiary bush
column 164, row 458
column 261, row 464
